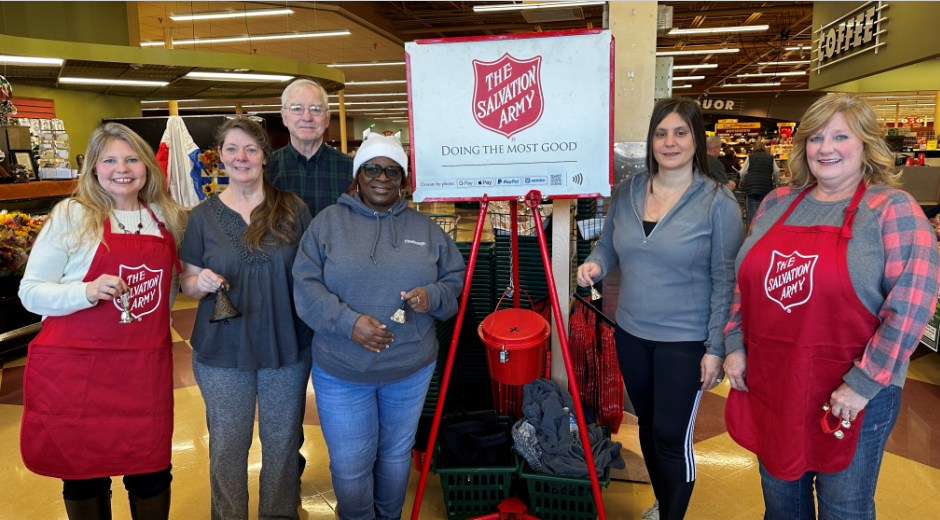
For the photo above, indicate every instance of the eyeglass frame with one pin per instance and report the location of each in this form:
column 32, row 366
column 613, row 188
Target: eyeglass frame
column 323, row 109
column 383, row 170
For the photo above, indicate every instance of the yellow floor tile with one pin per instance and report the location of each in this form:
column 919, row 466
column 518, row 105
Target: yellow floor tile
column 184, row 302
column 926, row 369
column 723, row 388
column 18, row 362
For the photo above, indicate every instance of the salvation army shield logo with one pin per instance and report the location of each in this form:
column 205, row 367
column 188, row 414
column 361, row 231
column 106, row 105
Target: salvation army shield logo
column 507, row 94
column 145, row 288
column 789, row 279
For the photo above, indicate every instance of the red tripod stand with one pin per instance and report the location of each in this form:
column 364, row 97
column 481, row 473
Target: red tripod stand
column 510, row 508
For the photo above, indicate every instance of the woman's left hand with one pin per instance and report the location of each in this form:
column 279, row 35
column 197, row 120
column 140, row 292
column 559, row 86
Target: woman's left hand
column 712, row 371
column 847, row 403
column 417, row 299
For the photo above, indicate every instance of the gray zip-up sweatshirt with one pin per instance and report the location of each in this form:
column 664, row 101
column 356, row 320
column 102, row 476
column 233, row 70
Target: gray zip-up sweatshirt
column 355, row 261
column 678, row 283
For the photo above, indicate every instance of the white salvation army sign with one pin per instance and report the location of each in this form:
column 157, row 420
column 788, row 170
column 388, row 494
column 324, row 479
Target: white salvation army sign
column 145, row 288
column 789, row 279
column 503, row 115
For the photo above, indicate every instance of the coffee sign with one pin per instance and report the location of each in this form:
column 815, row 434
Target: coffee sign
column 860, row 29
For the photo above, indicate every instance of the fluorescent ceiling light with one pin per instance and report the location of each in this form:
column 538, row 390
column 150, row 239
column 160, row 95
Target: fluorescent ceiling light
column 696, row 52
column 774, row 84
column 374, row 64
column 798, row 62
column 531, row 5
column 178, row 101
column 681, row 86
column 30, row 60
column 692, row 67
column 372, row 103
column 772, row 74
column 125, row 82
column 389, row 109
column 206, row 108
column 800, row 48
column 254, row 38
column 229, row 14
column 383, row 82
column 225, row 76
column 372, row 95
column 264, row 112
column 719, row 30
column 912, row 105
column 687, row 78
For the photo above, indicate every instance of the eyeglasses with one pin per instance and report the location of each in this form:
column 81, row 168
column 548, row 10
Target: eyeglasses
column 373, row 171
column 297, row 109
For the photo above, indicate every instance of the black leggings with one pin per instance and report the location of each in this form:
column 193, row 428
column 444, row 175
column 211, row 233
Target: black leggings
column 663, row 382
column 144, row 485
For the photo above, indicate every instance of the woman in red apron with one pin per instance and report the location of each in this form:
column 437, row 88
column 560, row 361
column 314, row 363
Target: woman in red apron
column 98, row 386
column 835, row 285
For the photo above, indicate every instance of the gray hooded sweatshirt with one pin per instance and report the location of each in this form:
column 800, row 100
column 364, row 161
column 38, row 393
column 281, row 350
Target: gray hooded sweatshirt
column 355, row 261
column 676, row 284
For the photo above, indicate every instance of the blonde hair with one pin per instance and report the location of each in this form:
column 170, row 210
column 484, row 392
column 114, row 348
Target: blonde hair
column 877, row 159
column 98, row 203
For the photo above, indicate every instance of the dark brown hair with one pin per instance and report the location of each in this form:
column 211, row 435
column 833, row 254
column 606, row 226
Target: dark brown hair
column 690, row 112
column 273, row 221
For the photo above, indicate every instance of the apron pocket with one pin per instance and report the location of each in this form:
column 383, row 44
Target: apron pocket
column 56, row 384
column 824, row 451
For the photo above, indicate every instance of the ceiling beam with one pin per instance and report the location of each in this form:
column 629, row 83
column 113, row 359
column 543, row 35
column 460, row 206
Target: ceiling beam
column 743, row 10
column 497, row 26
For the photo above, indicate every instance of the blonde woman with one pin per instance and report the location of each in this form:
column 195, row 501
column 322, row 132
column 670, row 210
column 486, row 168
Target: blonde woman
column 835, row 285
column 98, row 389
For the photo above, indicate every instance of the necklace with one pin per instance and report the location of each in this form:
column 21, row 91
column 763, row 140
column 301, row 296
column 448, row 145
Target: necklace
column 140, row 221
column 665, row 195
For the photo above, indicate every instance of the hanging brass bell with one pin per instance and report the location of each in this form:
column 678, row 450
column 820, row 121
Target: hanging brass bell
column 595, row 294
column 839, row 435
column 399, row 316
column 224, row 308
column 126, row 315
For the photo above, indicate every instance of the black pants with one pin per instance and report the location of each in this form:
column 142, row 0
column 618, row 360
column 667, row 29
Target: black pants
column 663, row 382
column 144, row 485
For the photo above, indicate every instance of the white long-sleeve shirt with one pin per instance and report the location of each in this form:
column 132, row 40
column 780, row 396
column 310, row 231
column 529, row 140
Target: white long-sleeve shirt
column 52, row 284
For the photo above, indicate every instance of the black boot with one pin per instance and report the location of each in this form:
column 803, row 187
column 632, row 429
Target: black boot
column 153, row 508
column 96, row 508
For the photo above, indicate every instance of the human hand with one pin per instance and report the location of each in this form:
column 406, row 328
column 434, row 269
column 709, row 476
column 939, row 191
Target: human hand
column 417, row 298
column 587, row 272
column 105, row 287
column 846, row 403
column 370, row 334
column 209, row 282
column 736, row 369
column 711, row 371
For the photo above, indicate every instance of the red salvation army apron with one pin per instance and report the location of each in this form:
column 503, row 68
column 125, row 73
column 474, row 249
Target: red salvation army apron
column 98, row 394
column 803, row 327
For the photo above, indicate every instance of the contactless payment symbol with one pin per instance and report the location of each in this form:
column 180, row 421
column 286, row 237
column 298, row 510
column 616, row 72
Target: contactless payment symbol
column 507, row 94
column 789, row 279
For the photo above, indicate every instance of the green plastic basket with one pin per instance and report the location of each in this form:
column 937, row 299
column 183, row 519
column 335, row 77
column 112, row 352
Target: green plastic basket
column 561, row 498
column 471, row 492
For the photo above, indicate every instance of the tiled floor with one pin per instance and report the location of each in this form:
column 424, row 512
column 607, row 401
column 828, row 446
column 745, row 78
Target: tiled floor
column 728, row 485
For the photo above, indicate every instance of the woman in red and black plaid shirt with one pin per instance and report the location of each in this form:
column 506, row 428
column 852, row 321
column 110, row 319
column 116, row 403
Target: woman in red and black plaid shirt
column 836, row 281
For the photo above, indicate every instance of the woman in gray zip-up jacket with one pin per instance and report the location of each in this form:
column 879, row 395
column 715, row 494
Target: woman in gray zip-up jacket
column 674, row 232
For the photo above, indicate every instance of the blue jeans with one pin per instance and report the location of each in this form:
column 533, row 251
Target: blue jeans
column 369, row 430
column 848, row 494
column 753, row 204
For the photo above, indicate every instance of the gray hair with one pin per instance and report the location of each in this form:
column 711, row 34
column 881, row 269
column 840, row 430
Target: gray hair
column 304, row 83
column 712, row 142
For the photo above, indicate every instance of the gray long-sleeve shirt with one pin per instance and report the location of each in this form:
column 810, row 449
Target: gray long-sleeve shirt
column 354, row 261
column 676, row 284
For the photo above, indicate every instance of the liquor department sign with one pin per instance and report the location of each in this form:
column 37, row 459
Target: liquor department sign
column 852, row 34
column 501, row 116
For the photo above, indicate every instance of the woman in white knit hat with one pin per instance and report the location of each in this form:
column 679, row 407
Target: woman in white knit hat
column 360, row 262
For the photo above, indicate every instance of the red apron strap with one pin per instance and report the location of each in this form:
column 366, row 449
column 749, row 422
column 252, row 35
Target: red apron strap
column 167, row 237
column 852, row 210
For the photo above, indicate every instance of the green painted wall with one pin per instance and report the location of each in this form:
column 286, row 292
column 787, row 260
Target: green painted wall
column 919, row 76
column 87, row 22
column 911, row 37
column 81, row 112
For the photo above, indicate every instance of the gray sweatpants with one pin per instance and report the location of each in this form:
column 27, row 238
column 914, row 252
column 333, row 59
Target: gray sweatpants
column 230, row 396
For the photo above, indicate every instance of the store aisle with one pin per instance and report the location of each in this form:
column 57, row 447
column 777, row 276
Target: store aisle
column 728, row 486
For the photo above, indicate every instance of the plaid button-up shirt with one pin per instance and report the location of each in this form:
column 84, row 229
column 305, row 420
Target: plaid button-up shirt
column 319, row 181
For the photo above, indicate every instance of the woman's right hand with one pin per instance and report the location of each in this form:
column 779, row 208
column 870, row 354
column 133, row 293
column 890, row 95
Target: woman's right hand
column 106, row 287
column 587, row 272
column 736, row 369
column 208, row 281
column 370, row 334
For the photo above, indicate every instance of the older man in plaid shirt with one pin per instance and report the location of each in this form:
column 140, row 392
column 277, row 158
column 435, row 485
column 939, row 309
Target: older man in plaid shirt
column 306, row 167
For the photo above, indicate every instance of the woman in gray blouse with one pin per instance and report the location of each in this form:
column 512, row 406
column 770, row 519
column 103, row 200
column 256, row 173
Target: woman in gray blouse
column 247, row 237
